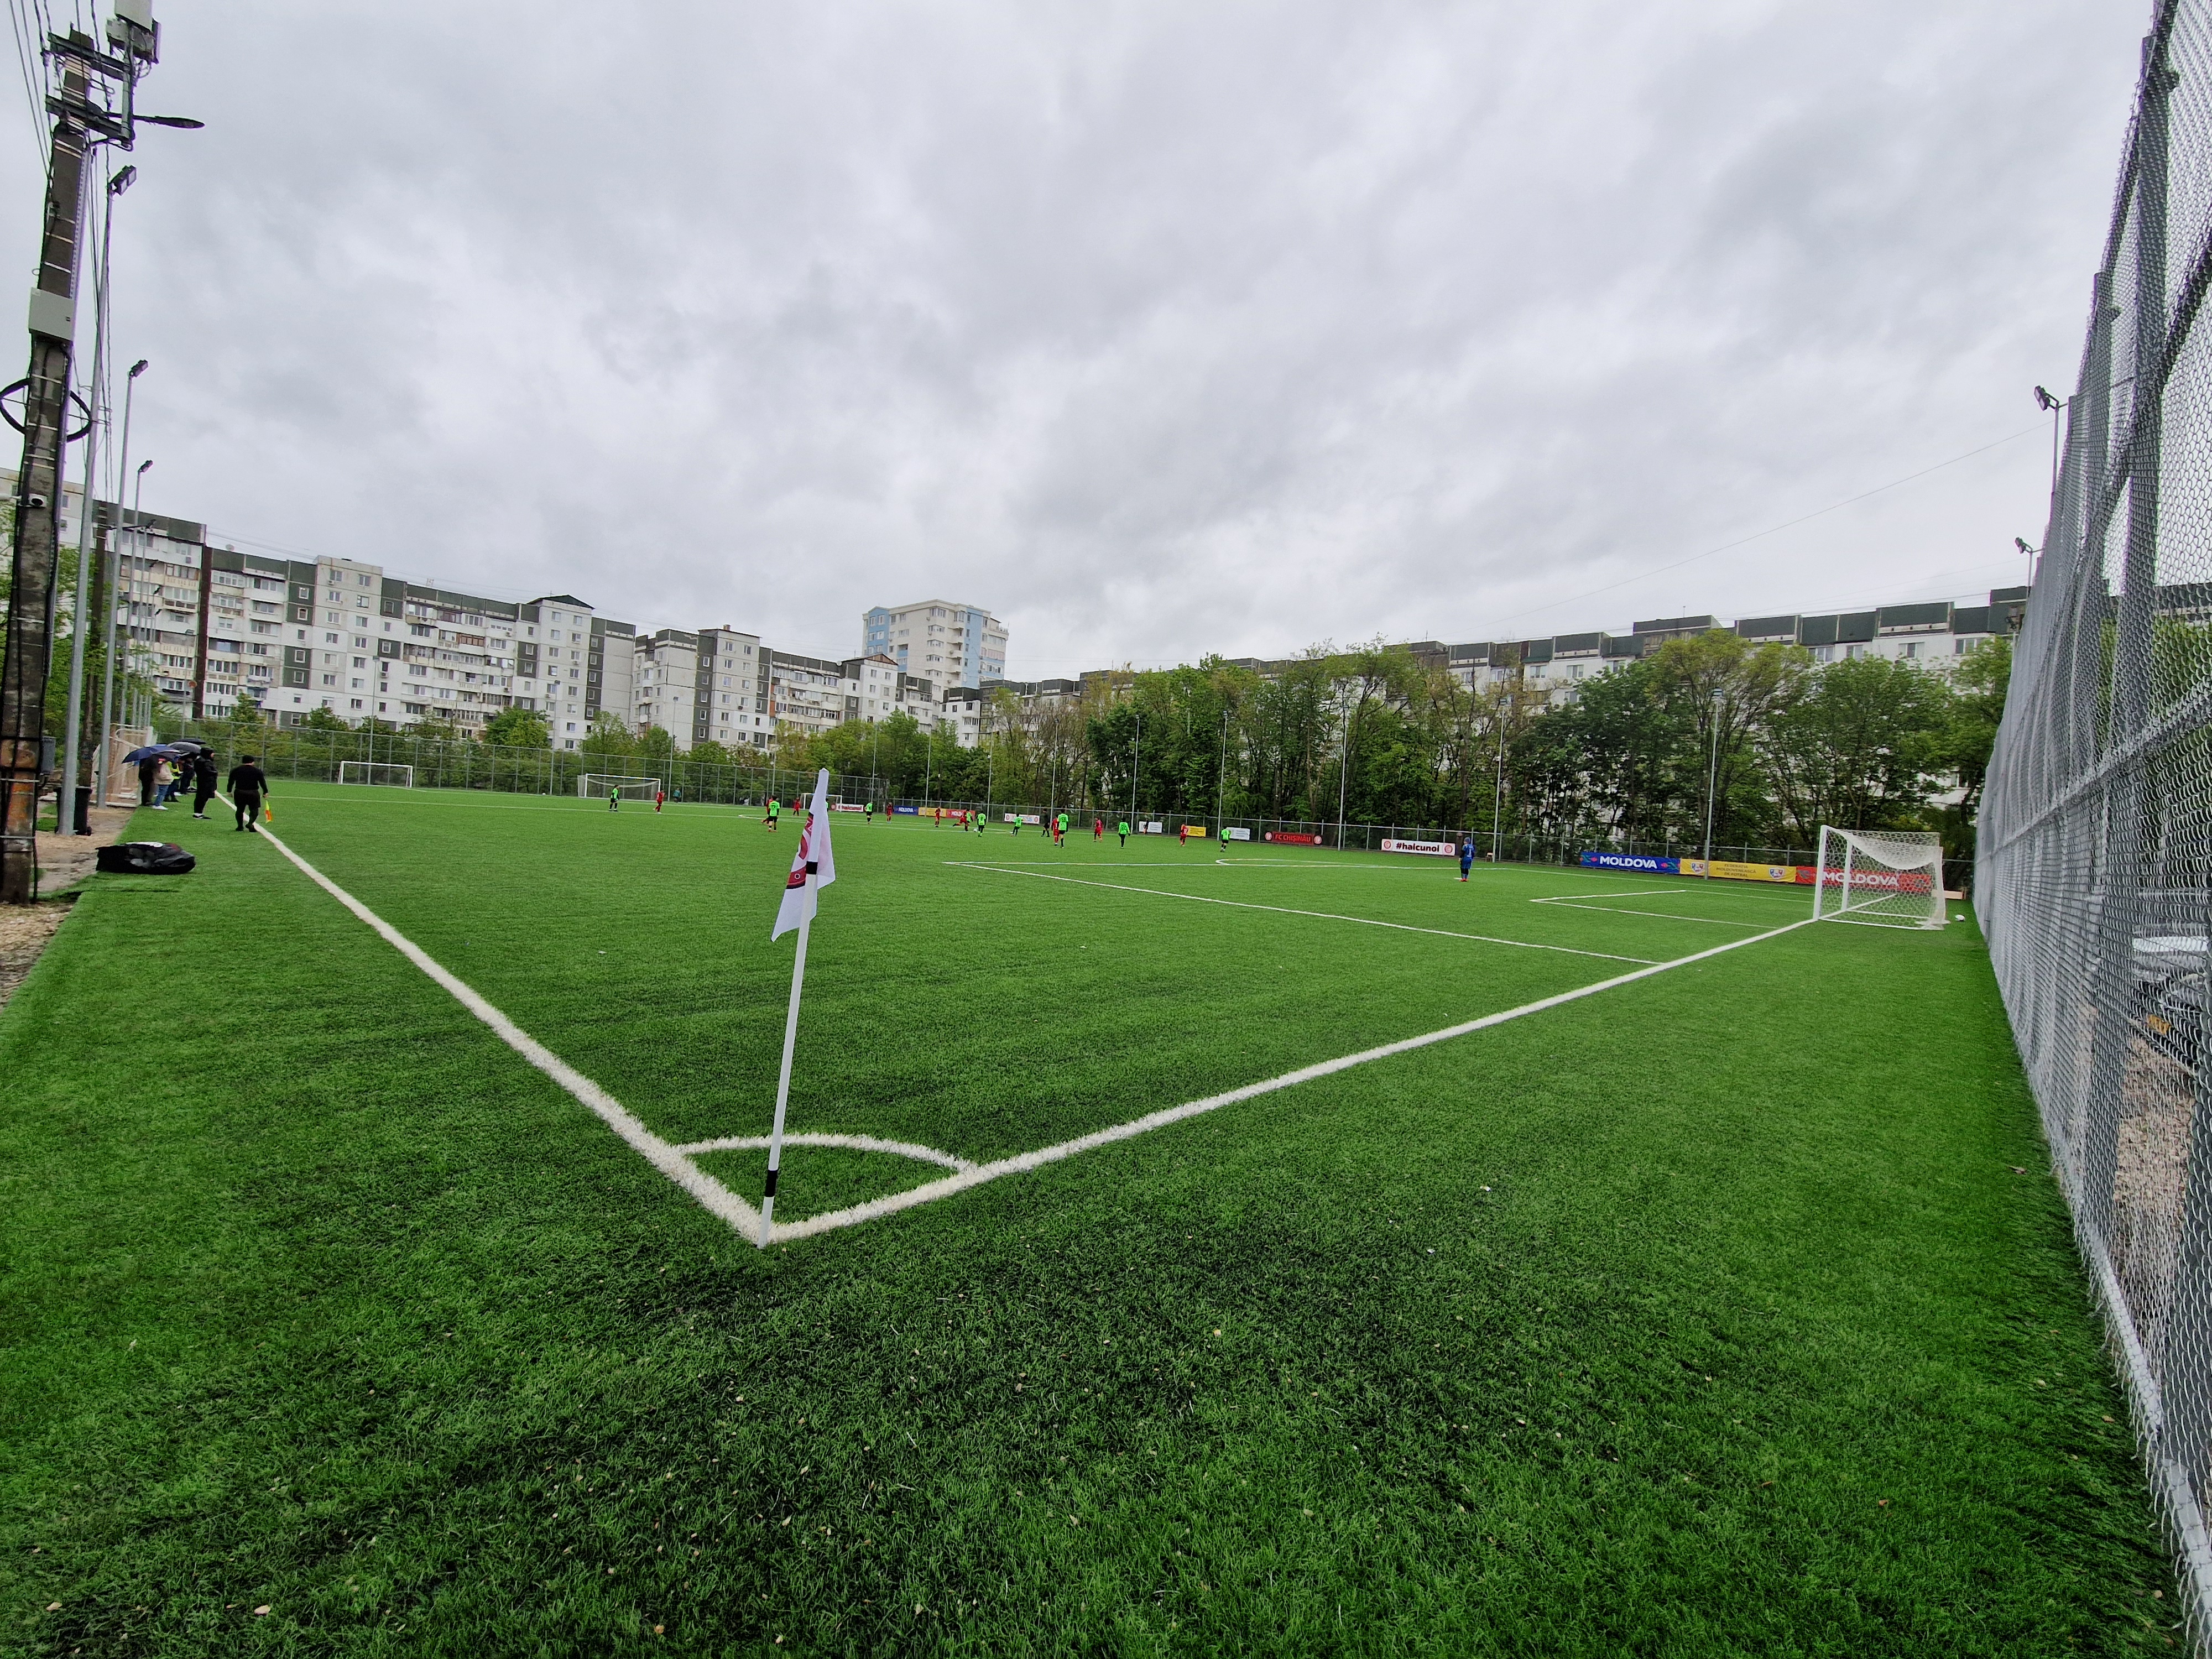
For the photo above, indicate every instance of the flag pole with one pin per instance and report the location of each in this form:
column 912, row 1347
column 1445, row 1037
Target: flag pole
column 783, row 1081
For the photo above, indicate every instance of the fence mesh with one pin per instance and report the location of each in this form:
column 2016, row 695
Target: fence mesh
column 2095, row 841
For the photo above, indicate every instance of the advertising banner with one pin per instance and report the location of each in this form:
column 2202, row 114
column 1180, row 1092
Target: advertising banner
column 907, row 811
column 1729, row 870
column 1441, row 849
column 1237, row 833
column 847, row 806
column 1152, row 829
column 1880, row 881
column 1286, row 838
column 1022, row 817
column 1636, row 861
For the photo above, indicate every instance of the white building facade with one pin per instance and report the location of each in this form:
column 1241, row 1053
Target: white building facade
column 947, row 644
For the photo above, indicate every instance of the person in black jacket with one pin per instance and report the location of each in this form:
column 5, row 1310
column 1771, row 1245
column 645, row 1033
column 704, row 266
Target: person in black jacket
column 203, row 781
column 248, row 784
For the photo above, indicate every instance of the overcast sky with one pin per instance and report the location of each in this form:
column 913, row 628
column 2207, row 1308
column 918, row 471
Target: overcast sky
column 1158, row 329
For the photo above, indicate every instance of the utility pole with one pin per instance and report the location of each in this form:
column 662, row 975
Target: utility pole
column 80, row 122
column 67, row 819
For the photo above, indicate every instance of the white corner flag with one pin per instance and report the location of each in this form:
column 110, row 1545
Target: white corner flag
column 811, row 870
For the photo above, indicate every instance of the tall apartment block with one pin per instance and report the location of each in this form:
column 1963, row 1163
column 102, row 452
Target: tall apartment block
column 938, row 641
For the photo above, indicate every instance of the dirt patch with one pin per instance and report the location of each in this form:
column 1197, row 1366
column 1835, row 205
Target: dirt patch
column 24, row 931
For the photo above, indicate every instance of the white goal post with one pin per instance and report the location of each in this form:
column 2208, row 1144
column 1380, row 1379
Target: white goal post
column 383, row 772
column 1891, row 878
column 593, row 786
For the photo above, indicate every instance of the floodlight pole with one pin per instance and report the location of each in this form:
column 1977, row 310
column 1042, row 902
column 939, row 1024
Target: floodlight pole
column 1498, row 798
column 1221, row 776
column 1343, row 778
column 1136, row 762
column 1712, row 774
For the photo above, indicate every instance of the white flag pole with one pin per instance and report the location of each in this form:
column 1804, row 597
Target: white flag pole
column 783, row 1081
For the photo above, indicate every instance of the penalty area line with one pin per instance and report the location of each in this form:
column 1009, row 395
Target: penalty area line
column 1318, row 916
column 669, row 1160
column 1025, row 1162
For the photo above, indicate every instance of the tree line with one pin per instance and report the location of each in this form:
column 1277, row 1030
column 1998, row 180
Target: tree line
column 1771, row 743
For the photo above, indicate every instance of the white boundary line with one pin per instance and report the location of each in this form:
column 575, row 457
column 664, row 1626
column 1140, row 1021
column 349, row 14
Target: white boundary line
column 1663, row 915
column 1024, row 1161
column 1284, row 910
column 669, row 1160
column 675, row 1161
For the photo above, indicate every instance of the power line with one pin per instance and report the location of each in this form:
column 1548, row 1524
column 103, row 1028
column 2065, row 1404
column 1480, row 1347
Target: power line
column 1758, row 535
column 26, row 56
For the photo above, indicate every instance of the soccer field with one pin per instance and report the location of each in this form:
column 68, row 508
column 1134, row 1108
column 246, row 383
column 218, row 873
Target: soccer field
column 1698, row 1288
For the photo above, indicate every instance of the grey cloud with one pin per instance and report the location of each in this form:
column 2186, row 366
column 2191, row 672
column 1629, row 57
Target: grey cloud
column 1161, row 329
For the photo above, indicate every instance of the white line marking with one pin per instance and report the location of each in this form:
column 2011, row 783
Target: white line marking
column 1633, row 892
column 1663, row 915
column 669, row 1160
column 1024, row 1161
column 675, row 1162
column 1319, row 915
column 855, row 1143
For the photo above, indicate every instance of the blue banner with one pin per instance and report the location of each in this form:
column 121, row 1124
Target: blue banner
column 907, row 811
column 1636, row 861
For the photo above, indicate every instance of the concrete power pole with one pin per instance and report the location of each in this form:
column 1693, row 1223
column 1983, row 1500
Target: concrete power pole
column 80, row 122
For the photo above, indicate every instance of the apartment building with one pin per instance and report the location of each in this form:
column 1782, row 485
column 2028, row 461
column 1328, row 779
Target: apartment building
column 295, row 636
column 946, row 643
column 721, row 685
column 1931, row 635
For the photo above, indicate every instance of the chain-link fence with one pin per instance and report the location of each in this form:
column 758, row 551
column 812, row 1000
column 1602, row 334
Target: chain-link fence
column 2096, row 831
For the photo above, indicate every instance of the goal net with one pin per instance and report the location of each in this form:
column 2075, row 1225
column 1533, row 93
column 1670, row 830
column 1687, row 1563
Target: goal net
column 593, row 786
column 1892, row 879
column 383, row 772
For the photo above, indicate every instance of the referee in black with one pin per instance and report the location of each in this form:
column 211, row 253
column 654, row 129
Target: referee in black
column 248, row 784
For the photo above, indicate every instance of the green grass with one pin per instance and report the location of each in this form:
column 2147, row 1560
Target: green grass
column 1705, row 1315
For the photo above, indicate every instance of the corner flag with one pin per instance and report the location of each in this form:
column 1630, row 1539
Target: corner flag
column 812, row 859
column 812, row 869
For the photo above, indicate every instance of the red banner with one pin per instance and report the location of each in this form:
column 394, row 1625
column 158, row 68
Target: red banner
column 1288, row 838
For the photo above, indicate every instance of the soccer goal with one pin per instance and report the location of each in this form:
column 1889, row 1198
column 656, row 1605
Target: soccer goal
column 385, row 772
column 593, row 786
column 1891, row 879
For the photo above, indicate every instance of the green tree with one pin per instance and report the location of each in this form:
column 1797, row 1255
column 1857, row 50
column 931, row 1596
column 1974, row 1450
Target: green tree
column 1980, row 682
column 519, row 728
column 1863, row 748
column 320, row 719
column 656, row 745
column 609, row 738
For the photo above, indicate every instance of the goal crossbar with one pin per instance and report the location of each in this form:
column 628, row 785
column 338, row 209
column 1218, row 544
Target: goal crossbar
column 593, row 786
column 393, row 774
column 1888, row 878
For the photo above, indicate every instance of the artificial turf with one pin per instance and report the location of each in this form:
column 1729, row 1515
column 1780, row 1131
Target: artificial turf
column 1709, row 1315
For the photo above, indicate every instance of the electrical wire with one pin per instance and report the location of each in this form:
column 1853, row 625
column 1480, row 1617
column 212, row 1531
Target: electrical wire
column 1771, row 530
column 25, row 57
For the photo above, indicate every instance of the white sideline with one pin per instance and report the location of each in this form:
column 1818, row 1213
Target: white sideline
column 1284, row 910
column 1024, row 1161
column 669, row 1160
column 675, row 1161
